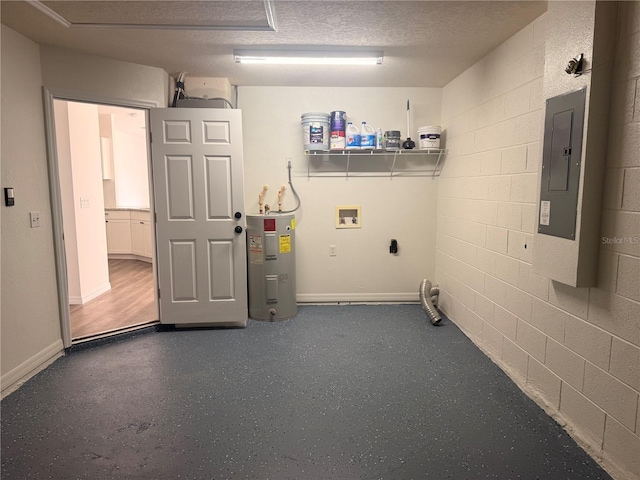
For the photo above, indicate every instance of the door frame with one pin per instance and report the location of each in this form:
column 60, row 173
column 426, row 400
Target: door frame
column 51, row 94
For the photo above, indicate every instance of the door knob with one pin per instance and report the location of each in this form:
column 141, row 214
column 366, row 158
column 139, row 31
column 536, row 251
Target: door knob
column 238, row 229
column 238, row 215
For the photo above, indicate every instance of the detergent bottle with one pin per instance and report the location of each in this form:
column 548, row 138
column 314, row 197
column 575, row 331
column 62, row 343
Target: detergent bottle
column 367, row 137
column 353, row 137
column 379, row 144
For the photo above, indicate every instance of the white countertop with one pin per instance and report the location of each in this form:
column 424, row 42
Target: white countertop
column 125, row 209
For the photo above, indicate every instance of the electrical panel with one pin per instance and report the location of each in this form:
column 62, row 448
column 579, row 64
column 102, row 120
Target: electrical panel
column 561, row 162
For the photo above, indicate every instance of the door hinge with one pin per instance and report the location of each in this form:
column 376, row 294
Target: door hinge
column 150, row 137
column 158, row 292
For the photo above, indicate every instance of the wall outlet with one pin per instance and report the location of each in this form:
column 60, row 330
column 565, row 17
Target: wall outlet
column 34, row 217
column 333, row 250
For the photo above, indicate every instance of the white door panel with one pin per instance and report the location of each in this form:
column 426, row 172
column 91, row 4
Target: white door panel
column 219, row 204
column 198, row 177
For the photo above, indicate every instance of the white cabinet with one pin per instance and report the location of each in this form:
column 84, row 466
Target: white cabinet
column 118, row 231
column 141, row 234
column 129, row 232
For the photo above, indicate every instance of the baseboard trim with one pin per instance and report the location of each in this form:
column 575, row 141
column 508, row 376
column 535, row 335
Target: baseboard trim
column 129, row 256
column 81, row 300
column 14, row 379
column 357, row 297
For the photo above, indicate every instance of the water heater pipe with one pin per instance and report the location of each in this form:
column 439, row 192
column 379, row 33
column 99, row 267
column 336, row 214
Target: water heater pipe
column 426, row 299
column 261, row 197
column 295, row 194
column 280, row 192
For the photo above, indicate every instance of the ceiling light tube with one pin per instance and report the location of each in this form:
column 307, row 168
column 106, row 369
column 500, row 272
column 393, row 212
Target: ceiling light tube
column 311, row 57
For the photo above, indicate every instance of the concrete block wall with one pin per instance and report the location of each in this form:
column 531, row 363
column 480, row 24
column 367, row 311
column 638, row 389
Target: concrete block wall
column 576, row 351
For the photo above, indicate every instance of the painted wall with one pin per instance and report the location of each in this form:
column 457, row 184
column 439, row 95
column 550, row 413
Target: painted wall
column 30, row 325
column 65, row 172
column 88, row 200
column 588, row 27
column 90, row 74
column 575, row 350
column 31, row 335
column 398, row 208
column 131, row 175
column 108, row 186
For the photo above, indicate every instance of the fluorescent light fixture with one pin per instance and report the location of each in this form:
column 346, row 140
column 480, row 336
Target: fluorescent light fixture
column 307, row 57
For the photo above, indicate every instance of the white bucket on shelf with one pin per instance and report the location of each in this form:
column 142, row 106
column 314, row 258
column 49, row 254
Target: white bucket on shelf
column 315, row 128
column 429, row 137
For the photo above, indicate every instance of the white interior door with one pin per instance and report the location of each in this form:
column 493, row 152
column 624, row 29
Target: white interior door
column 201, row 245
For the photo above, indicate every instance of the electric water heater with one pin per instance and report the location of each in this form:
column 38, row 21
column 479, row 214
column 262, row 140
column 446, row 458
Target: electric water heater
column 271, row 265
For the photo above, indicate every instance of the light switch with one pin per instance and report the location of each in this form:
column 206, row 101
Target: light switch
column 34, row 217
column 84, row 202
column 9, row 199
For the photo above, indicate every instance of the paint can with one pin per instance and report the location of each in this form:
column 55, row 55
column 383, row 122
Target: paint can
column 315, row 128
column 338, row 128
column 429, row 137
column 392, row 140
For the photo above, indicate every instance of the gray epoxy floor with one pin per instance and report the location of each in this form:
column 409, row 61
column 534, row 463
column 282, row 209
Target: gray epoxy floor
column 339, row 392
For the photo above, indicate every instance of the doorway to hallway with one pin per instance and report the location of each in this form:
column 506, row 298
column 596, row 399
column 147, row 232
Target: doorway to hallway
column 101, row 156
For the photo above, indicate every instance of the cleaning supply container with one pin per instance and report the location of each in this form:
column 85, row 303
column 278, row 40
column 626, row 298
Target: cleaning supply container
column 367, row 137
column 392, row 140
column 315, row 128
column 353, row 137
column 338, row 127
column 429, row 137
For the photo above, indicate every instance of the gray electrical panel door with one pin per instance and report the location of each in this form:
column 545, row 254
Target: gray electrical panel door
column 561, row 159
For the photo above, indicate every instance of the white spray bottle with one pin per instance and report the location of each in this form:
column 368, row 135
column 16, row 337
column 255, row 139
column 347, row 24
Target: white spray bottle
column 379, row 139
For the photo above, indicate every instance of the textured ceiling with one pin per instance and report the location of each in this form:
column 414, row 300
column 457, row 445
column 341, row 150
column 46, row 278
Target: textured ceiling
column 425, row 43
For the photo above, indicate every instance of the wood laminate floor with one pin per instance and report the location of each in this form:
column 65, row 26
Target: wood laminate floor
column 129, row 302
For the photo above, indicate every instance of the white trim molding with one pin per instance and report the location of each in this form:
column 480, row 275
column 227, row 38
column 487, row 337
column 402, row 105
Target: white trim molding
column 268, row 25
column 54, row 185
column 14, row 379
column 412, row 297
column 82, row 299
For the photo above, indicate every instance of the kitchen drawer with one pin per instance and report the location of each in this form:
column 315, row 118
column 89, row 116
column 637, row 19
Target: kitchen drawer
column 143, row 216
column 117, row 214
